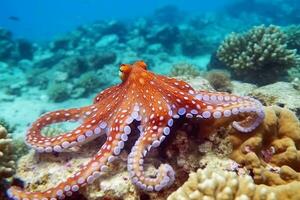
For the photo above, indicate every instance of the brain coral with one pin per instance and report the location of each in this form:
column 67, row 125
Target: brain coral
column 259, row 55
column 7, row 163
column 272, row 152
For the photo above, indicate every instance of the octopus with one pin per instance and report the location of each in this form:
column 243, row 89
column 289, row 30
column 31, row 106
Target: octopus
column 151, row 103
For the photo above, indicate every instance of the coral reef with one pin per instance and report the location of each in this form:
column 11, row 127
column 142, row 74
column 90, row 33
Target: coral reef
column 58, row 92
column 259, row 55
column 130, row 101
column 270, row 156
column 89, row 82
column 7, row 163
column 9, row 128
column 293, row 36
column 166, row 35
column 193, row 43
column 184, row 69
column 282, row 94
column 271, row 152
column 219, row 80
column 215, row 184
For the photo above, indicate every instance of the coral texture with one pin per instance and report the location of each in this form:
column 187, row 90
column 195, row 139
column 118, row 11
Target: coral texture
column 283, row 94
column 271, row 152
column 211, row 184
column 184, row 69
column 293, row 36
column 169, row 98
column 7, row 163
column 259, row 55
column 219, row 80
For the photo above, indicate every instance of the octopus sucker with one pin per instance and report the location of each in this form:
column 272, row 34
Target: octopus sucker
column 143, row 101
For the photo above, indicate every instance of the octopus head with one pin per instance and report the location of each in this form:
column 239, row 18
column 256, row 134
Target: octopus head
column 125, row 69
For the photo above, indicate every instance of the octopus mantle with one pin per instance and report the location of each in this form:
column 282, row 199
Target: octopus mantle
column 155, row 102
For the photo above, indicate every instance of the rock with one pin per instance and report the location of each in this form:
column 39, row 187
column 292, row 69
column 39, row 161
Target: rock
column 107, row 40
column 167, row 36
column 241, row 88
column 5, row 34
column 60, row 43
column 24, row 49
column 99, row 59
column 282, row 94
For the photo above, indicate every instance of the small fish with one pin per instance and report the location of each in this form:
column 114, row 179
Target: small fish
column 14, row 18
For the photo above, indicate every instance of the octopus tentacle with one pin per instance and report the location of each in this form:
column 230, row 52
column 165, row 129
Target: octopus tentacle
column 227, row 105
column 153, row 100
column 151, row 138
column 86, row 175
column 88, row 130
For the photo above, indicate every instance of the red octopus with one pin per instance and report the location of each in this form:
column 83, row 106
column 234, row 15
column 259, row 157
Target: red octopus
column 154, row 101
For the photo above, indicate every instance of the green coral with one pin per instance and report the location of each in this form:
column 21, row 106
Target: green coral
column 7, row 163
column 7, row 126
column 89, row 81
column 58, row 92
column 293, row 36
column 260, row 55
column 51, row 131
column 20, row 148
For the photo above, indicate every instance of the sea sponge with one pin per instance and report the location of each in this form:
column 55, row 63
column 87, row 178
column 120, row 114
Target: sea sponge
column 7, row 163
column 259, row 56
column 219, row 80
column 271, row 152
column 210, row 184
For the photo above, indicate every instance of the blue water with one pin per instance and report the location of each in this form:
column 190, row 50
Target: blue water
column 41, row 20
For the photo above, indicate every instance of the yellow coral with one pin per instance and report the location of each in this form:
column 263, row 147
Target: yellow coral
column 221, row 185
column 7, row 164
column 272, row 151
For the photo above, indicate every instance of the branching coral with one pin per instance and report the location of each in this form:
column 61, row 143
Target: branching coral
column 7, row 164
column 259, row 55
column 293, row 36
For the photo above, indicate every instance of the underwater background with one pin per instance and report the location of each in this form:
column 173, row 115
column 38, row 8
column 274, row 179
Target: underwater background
column 61, row 54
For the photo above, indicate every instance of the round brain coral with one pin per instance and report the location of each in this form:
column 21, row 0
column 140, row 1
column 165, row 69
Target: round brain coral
column 259, row 56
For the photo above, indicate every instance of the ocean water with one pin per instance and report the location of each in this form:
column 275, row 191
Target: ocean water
column 58, row 55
